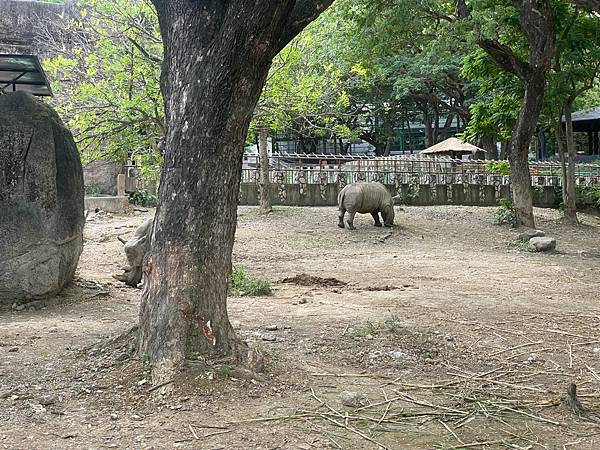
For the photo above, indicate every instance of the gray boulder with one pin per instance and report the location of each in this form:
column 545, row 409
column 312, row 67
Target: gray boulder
column 542, row 244
column 529, row 234
column 41, row 200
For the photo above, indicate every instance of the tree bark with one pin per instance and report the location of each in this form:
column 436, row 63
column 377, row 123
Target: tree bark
column 263, row 151
column 519, row 149
column 489, row 145
column 569, row 190
column 216, row 58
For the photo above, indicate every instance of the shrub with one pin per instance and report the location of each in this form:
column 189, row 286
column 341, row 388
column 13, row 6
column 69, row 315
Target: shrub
column 498, row 167
column 506, row 213
column 588, row 196
column 91, row 190
column 242, row 284
column 143, row 198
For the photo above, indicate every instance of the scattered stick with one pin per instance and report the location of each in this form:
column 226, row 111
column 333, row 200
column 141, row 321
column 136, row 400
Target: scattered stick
column 346, row 329
column 593, row 372
column 354, row 430
column 216, row 432
column 500, row 383
column 570, row 355
column 451, row 432
column 193, row 432
column 158, row 386
column 348, row 375
column 516, row 347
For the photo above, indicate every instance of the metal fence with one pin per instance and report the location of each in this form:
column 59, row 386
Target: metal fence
column 325, row 169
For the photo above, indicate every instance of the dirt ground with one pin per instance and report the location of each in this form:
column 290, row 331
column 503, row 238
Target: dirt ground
column 451, row 335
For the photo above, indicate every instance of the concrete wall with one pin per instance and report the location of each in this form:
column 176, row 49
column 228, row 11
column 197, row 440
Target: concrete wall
column 18, row 21
column 102, row 175
column 108, row 204
column 423, row 195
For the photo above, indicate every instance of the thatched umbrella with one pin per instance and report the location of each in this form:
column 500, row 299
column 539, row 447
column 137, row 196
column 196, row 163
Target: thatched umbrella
column 455, row 148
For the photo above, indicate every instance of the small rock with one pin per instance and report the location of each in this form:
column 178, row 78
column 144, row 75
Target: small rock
column 271, row 328
column 53, row 330
column 269, row 338
column 114, row 417
column 369, row 336
column 398, row 354
column 529, row 234
column 46, row 400
column 353, row 399
column 542, row 244
column 142, row 382
column 302, row 301
column 13, row 349
column 20, row 308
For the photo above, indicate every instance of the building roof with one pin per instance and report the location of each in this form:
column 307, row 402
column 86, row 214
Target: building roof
column 452, row 145
column 587, row 120
column 23, row 73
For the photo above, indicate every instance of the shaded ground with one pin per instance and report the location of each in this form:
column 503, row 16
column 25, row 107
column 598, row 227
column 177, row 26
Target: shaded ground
column 457, row 338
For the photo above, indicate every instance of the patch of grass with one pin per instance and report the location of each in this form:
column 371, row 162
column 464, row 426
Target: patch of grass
column 145, row 357
column 192, row 356
column 22, row 297
column 225, row 371
column 390, row 325
column 240, row 283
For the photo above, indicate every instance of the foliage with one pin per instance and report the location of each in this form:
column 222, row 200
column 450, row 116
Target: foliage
column 106, row 67
column 588, row 196
column 91, row 190
column 240, row 283
column 144, row 198
column 506, row 214
column 498, row 167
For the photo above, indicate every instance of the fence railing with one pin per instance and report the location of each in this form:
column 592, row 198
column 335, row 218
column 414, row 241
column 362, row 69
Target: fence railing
column 326, row 169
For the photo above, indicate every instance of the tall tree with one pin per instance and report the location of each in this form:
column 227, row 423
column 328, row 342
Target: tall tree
column 216, row 58
column 530, row 66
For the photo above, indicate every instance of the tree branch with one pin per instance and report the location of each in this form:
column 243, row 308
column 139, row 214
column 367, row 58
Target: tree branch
column 506, row 58
column 303, row 13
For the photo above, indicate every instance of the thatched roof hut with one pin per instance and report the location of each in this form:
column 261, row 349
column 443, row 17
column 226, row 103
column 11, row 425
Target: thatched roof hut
column 454, row 148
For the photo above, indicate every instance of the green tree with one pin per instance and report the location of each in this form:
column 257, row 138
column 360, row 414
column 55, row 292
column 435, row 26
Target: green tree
column 107, row 64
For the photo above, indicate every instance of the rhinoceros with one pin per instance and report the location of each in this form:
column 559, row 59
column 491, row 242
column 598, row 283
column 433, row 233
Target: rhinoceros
column 135, row 250
column 366, row 198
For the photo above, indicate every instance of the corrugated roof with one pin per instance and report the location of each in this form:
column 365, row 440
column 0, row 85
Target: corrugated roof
column 23, row 73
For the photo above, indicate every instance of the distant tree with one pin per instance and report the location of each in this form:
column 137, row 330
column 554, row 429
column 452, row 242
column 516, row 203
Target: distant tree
column 106, row 64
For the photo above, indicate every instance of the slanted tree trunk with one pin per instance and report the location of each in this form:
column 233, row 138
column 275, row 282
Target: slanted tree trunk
column 518, row 155
column 537, row 22
column 216, row 59
column 569, row 190
column 263, row 153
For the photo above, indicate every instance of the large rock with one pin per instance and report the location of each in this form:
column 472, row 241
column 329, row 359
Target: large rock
column 41, row 200
column 542, row 244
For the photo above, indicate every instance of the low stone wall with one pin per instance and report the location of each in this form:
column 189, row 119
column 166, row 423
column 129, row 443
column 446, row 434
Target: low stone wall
column 108, row 204
column 421, row 195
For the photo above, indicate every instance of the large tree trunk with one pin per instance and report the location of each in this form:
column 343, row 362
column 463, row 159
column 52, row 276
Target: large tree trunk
column 489, row 145
column 519, row 151
column 217, row 55
column 263, row 151
column 569, row 190
column 537, row 22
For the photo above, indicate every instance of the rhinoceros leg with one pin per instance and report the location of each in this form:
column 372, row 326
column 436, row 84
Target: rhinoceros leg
column 341, row 218
column 350, row 221
column 376, row 218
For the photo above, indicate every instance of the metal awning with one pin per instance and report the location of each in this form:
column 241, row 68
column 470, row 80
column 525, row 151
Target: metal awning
column 23, row 73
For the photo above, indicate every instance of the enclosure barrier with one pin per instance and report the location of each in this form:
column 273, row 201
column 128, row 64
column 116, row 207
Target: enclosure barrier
column 315, row 180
